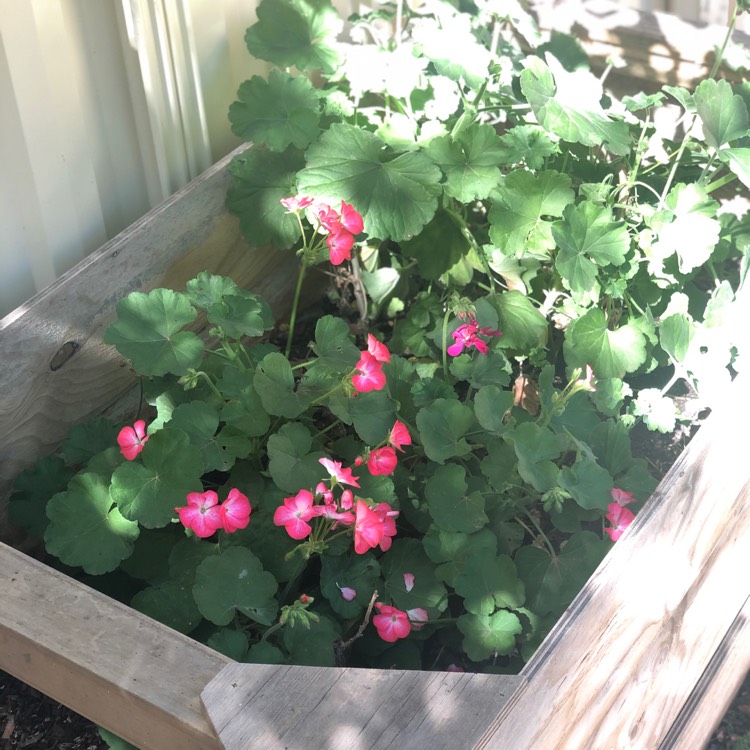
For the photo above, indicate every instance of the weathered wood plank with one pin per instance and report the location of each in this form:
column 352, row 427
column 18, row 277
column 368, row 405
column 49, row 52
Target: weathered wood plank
column 56, row 370
column 716, row 689
column 618, row 668
column 659, row 47
column 106, row 661
column 299, row 708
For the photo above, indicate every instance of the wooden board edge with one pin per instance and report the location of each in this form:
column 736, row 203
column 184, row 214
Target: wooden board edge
column 104, row 660
column 716, row 689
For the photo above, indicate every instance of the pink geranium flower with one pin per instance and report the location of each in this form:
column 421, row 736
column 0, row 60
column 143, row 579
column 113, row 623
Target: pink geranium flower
column 235, row 511
column 370, row 375
column 337, row 472
column 408, row 581
column 202, row 513
column 586, row 383
column 351, row 219
column 297, row 203
column 399, row 436
column 368, row 528
column 388, row 517
column 330, row 511
column 417, row 617
column 347, row 593
column 467, row 335
column 620, row 518
column 295, row 513
column 347, row 500
column 340, row 245
column 382, row 461
column 391, row 623
column 378, row 349
column 132, row 439
column 621, row 496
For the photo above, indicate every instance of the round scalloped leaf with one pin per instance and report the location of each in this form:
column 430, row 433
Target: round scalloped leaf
column 171, row 603
column 235, row 582
column 724, row 113
column 279, row 112
column 536, row 447
column 148, row 331
column 450, row 549
column 488, row 635
column 358, row 572
column 260, row 179
column 408, row 556
column 588, row 483
column 333, row 344
column 488, row 581
column 296, row 33
column 148, row 492
column 290, row 462
column 274, row 382
column 451, row 505
column 313, row 646
column 395, row 193
column 86, row 529
column 231, row 643
column 85, row 440
column 442, row 426
column 611, row 354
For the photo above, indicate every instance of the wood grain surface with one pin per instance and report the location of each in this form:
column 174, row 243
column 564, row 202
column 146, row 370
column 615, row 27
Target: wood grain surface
column 119, row 668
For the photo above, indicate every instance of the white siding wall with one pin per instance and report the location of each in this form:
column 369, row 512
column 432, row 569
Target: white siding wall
column 109, row 106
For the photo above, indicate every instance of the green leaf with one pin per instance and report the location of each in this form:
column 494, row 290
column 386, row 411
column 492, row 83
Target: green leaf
column 333, row 344
column 611, row 354
column 85, row 440
column 528, row 143
column 658, row 411
column 171, row 603
column 450, row 504
column 568, row 105
column 739, row 162
column 358, row 572
column 438, row 248
column 373, row 415
column 408, row 556
column 471, row 162
column 552, row 582
column 381, row 283
column 453, row 49
column 32, row 488
column 148, row 491
column 488, row 582
column 486, row 636
column 588, row 238
column 395, row 193
column 241, row 314
column 296, row 33
column 264, row 653
column 148, row 332
column 86, row 529
column 442, row 426
column 114, row 742
column 523, row 326
column 518, row 221
column 230, row 642
column 588, row 483
column 199, row 421
column 243, row 408
column 492, row 368
column 274, row 383
column 235, row 582
column 688, row 228
column 535, row 446
column 206, row 289
column 260, row 179
column 313, row 646
column 279, row 112
column 675, row 334
column 724, row 114
column 291, row 464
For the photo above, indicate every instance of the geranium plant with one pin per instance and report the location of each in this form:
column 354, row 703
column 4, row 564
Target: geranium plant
column 428, row 477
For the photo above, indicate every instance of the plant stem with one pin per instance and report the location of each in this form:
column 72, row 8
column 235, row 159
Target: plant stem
column 295, row 305
column 445, row 345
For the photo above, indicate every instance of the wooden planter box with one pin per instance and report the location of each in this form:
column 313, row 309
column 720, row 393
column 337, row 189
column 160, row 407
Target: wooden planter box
column 648, row 655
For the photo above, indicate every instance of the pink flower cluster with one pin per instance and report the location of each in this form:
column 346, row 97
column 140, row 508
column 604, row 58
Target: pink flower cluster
column 132, row 439
column 370, row 375
column 392, row 623
column 341, row 225
column 205, row 516
column 619, row 516
column 373, row 525
column 467, row 335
